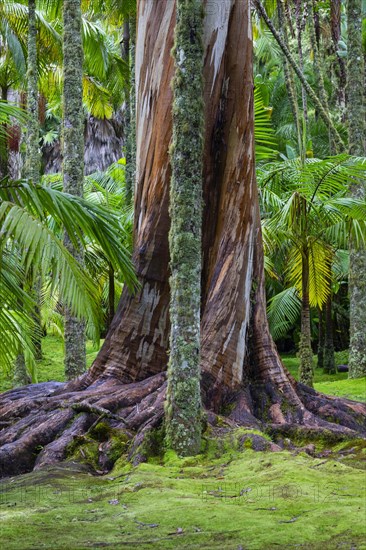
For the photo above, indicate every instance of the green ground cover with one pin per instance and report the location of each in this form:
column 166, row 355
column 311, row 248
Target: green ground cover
column 249, row 500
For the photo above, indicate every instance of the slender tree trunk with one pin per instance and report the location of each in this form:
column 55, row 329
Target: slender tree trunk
column 321, row 339
column 333, row 145
column 335, row 21
column 301, row 9
column 357, row 146
column 21, row 376
column 183, row 405
column 305, row 350
column 32, row 154
column 329, row 360
column 129, row 39
column 4, row 149
column 289, row 80
column 73, row 164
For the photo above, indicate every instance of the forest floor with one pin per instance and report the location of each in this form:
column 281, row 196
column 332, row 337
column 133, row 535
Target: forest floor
column 230, row 497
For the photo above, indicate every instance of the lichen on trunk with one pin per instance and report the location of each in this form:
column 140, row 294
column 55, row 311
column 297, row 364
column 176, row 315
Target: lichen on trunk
column 357, row 146
column 183, row 404
column 305, row 349
column 73, row 164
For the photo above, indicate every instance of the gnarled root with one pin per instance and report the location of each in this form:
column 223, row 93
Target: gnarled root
column 38, row 423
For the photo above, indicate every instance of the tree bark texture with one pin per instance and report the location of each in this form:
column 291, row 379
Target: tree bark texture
column 32, row 154
column 73, row 164
column 357, row 146
column 335, row 22
column 305, row 349
column 241, row 370
column 183, row 403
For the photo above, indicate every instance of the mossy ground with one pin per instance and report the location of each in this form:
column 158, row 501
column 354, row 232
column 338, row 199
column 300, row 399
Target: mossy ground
column 230, row 497
column 251, row 500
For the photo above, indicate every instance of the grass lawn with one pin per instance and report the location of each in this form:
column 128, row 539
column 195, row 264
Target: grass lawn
column 52, row 365
column 332, row 384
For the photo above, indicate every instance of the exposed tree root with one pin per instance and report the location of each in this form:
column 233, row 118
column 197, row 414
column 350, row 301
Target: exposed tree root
column 38, row 423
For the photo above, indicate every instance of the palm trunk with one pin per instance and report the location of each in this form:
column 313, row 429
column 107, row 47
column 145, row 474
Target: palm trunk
column 321, row 339
column 4, row 149
column 357, row 146
column 305, row 350
column 73, row 164
column 329, row 360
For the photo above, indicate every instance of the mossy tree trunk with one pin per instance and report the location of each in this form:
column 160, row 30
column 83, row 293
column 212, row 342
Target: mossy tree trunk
column 31, row 172
column 73, row 163
column 321, row 338
column 183, row 404
column 32, row 154
column 329, row 360
column 241, row 371
column 129, row 39
column 305, row 349
column 357, row 146
column 340, row 68
column 4, row 149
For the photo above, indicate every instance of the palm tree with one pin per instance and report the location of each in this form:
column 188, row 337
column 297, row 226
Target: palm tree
column 307, row 217
column 29, row 217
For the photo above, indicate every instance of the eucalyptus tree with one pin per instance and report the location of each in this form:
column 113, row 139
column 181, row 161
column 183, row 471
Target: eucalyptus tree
column 241, row 372
column 357, row 146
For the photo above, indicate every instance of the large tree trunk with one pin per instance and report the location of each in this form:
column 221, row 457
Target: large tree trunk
column 239, row 362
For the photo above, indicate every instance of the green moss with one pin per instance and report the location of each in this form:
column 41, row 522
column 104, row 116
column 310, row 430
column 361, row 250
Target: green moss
column 183, row 407
column 222, row 503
